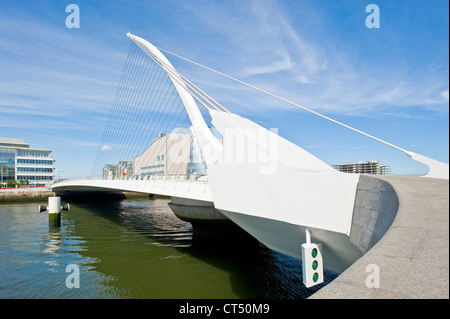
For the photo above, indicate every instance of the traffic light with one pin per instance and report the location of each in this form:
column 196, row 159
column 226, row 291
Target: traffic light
column 312, row 264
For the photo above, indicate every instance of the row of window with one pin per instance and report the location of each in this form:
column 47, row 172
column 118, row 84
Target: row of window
column 160, row 158
column 34, row 170
column 36, row 178
column 32, row 154
column 37, row 162
column 152, row 173
column 153, row 166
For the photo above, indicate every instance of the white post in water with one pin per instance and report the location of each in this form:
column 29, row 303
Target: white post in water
column 54, row 210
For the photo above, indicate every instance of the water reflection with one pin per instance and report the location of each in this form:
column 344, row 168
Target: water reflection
column 52, row 241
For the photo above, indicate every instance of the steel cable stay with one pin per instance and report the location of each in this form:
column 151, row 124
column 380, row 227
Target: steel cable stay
column 202, row 97
column 113, row 126
column 112, row 138
column 130, row 110
column 142, row 118
column 166, row 124
column 280, row 98
column 138, row 111
column 112, row 110
column 146, row 102
column 150, row 127
column 170, row 107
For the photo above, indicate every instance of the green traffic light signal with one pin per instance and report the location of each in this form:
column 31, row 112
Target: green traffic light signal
column 315, row 277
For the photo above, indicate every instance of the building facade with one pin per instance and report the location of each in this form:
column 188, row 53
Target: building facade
column 20, row 162
column 369, row 167
column 177, row 153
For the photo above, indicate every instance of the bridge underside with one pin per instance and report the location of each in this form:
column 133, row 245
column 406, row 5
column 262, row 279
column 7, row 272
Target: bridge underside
column 88, row 191
column 204, row 218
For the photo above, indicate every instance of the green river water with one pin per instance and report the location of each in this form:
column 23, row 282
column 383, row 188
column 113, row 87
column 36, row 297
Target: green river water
column 134, row 248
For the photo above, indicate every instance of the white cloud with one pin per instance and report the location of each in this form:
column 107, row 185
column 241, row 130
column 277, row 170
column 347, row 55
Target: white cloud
column 444, row 94
column 106, row 148
column 277, row 66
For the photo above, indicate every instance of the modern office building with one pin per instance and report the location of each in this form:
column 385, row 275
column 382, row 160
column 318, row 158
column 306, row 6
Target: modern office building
column 369, row 167
column 20, row 162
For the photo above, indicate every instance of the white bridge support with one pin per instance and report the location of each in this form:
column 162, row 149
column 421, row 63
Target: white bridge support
column 277, row 205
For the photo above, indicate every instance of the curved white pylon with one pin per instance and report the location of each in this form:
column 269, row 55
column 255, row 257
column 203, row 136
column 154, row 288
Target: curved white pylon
column 437, row 169
column 211, row 147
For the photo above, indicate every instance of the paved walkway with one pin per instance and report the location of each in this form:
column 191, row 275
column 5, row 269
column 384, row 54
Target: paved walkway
column 412, row 257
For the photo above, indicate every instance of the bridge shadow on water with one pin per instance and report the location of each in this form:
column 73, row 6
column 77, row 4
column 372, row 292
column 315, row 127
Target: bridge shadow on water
column 142, row 244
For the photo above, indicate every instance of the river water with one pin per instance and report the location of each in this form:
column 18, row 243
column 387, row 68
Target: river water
column 134, row 248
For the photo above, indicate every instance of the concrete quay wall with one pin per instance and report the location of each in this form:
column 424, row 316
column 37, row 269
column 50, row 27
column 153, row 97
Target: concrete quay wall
column 25, row 194
column 411, row 260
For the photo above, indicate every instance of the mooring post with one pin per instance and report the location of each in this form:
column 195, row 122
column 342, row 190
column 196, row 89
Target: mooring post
column 54, row 211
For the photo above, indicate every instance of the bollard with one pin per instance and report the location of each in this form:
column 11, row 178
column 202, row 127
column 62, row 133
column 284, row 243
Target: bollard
column 54, row 211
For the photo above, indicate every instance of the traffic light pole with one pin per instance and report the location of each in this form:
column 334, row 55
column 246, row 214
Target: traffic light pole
column 312, row 262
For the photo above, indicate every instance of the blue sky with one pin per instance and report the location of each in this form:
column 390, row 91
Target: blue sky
column 57, row 84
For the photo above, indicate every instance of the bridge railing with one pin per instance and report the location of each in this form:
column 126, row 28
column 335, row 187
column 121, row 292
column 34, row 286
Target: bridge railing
column 192, row 186
column 159, row 177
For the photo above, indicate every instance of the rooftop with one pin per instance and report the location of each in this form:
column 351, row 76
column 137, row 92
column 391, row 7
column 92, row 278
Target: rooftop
column 18, row 143
column 13, row 142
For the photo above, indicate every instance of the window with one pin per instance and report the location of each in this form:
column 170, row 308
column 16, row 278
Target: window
column 162, row 157
column 159, row 158
column 7, row 165
column 153, row 166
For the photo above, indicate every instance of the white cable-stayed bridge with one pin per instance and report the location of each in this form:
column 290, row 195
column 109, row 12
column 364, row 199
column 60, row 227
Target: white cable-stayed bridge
column 157, row 141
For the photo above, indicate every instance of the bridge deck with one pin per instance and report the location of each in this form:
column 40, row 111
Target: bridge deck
column 167, row 186
column 413, row 256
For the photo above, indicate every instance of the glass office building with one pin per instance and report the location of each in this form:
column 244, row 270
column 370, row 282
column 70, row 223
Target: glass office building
column 20, row 162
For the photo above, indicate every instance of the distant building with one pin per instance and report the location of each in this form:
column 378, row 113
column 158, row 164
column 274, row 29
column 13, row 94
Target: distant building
column 122, row 170
column 369, row 167
column 177, row 153
column 20, row 162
